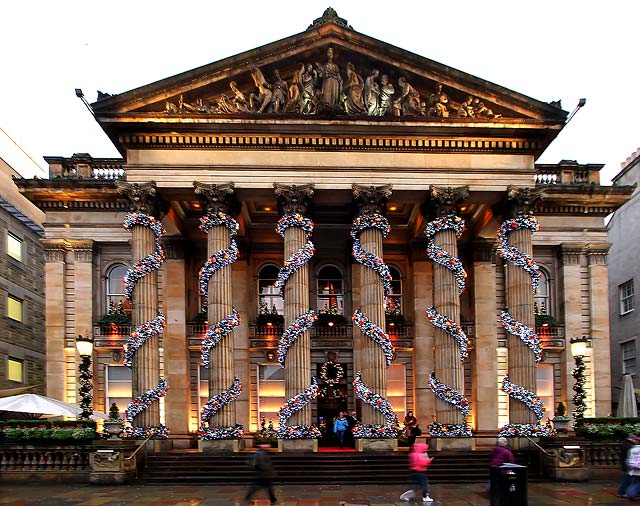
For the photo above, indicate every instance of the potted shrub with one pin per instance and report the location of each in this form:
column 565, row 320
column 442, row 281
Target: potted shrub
column 114, row 425
column 266, row 435
column 561, row 420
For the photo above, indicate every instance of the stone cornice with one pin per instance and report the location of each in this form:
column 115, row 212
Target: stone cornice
column 597, row 253
column 571, row 253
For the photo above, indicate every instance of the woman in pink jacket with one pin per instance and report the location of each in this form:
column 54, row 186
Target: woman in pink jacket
column 419, row 461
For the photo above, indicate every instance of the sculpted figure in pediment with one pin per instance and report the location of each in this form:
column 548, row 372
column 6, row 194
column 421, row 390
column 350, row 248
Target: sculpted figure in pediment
column 331, row 89
column 354, row 92
column 259, row 103
column 481, row 111
column 466, row 108
column 386, row 94
column 309, row 94
column 280, row 91
column 438, row 104
column 372, row 93
column 294, row 94
column 408, row 103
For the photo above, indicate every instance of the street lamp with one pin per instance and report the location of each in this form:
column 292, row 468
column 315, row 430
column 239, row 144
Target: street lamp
column 84, row 345
column 579, row 350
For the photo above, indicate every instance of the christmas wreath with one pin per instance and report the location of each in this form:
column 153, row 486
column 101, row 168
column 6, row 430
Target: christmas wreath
column 331, row 372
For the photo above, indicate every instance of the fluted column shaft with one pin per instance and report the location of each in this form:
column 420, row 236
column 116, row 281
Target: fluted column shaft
column 297, row 374
column 448, row 366
column 520, row 306
column 374, row 367
column 146, row 366
column 221, row 368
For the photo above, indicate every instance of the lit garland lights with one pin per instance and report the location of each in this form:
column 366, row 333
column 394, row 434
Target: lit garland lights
column 140, row 335
column 526, row 334
column 512, row 254
column 375, row 333
column 335, row 378
column 299, row 257
column 362, row 256
column 533, row 402
column 149, row 263
column 388, row 430
column 146, row 330
column 218, row 331
column 292, row 406
column 439, row 255
column 299, row 326
column 451, row 328
column 456, row 399
column 140, row 404
column 580, row 394
column 220, row 258
column 215, row 404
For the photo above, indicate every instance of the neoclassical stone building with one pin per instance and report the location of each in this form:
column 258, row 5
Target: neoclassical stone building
column 400, row 171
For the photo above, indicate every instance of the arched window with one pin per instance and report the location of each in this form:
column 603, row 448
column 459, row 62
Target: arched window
column 116, row 300
column 268, row 295
column 330, row 290
column 541, row 300
column 393, row 302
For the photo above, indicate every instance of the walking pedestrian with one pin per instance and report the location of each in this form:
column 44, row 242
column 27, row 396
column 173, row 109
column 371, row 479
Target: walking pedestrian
column 264, row 474
column 626, row 445
column 419, row 462
column 340, row 427
column 501, row 454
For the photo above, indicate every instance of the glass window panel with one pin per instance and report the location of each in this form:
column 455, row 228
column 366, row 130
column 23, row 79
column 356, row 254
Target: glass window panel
column 628, row 357
column 397, row 388
column 330, row 290
column 119, row 386
column 544, row 387
column 14, row 308
column 15, row 370
column 268, row 294
column 627, row 302
column 14, row 247
column 270, row 392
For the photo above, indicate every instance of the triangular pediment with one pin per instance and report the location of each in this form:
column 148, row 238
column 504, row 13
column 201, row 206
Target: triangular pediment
column 366, row 79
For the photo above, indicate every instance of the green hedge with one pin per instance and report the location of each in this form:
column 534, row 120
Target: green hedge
column 48, row 431
column 607, row 428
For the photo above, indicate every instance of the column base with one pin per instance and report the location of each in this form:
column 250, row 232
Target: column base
column 451, row 443
column 376, row 445
column 298, row 445
column 220, row 445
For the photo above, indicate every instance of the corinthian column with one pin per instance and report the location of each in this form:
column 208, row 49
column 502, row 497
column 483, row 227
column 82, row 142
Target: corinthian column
column 220, row 205
column 371, row 357
column 146, row 365
column 295, row 356
column 519, row 299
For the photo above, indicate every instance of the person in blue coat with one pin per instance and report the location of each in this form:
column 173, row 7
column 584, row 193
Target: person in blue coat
column 340, row 426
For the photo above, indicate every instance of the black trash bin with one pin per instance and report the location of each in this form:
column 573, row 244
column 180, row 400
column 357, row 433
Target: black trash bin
column 508, row 485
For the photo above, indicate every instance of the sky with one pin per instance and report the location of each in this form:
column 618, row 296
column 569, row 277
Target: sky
column 548, row 50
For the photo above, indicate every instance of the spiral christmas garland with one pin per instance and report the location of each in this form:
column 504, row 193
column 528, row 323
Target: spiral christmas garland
column 140, row 335
column 293, row 331
column 526, row 334
column 220, row 258
column 292, row 406
column 215, row 404
column 450, row 327
column 145, row 330
column 388, row 430
column 218, row 331
column 299, row 257
column 362, row 256
column 149, row 263
column 456, row 399
column 512, row 254
column 533, row 402
column 439, row 255
column 375, row 333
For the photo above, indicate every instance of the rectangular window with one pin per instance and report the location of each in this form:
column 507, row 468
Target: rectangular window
column 14, row 308
column 15, row 370
column 118, row 387
column 544, row 388
column 626, row 297
column 628, row 357
column 14, row 247
column 270, row 392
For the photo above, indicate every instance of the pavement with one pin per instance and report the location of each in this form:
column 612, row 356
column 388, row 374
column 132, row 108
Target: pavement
column 601, row 493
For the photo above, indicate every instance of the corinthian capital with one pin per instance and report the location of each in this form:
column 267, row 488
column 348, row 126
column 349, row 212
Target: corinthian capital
column 371, row 199
column 444, row 200
column 217, row 197
column 521, row 200
column 294, row 199
column 142, row 197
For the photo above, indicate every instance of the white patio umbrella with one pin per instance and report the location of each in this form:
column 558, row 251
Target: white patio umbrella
column 627, row 406
column 41, row 405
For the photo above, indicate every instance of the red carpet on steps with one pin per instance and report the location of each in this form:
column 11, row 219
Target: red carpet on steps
column 335, row 449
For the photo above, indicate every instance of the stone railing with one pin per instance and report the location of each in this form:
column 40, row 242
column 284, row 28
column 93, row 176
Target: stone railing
column 567, row 172
column 55, row 463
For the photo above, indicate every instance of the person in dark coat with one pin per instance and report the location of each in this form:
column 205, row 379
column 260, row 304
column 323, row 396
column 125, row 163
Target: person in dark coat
column 352, row 420
column 264, row 474
column 500, row 455
column 630, row 441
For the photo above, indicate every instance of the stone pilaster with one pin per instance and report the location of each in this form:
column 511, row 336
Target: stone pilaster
column 146, row 365
column 372, row 200
column 485, row 362
column 55, row 304
column 296, row 199
column 220, row 198
column 83, row 285
column 519, row 298
column 446, row 299
column 599, row 329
